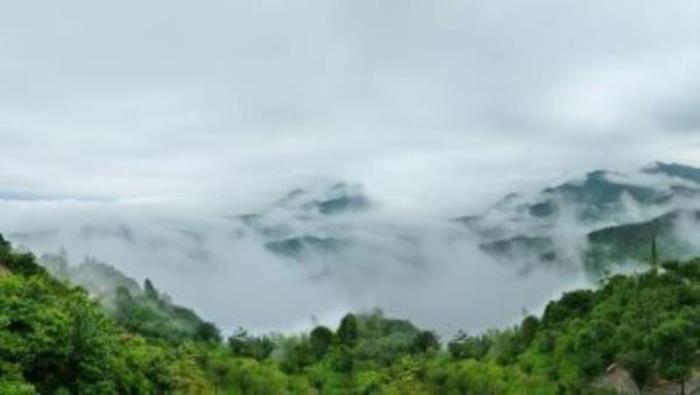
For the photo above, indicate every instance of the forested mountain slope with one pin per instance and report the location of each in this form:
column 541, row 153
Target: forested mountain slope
column 54, row 338
column 604, row 219
column 334, row 233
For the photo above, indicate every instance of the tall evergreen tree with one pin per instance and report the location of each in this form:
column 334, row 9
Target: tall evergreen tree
column 654, row 253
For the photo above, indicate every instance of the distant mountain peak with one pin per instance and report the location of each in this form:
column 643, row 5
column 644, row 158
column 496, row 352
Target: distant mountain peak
column 338, row 198
column 306, row 220
column 618, row 211
column 676, row 170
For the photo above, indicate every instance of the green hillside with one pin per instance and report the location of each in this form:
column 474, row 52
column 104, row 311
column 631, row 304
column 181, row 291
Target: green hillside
column 631, row 242
column 56, row 339
column 613, row 245
column 140, row 309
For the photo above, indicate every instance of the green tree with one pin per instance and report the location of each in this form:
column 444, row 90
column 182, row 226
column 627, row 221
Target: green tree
column 528, row 329
column 425, row 341
column 244, row 345
column 59, row 339
column 321, row 339
column 464, row 346
column 472, row 377
column 296, row 355
column 654, row 253
column 150, row 290
column 208, row 332
column 342, row 359
column 673, row 346
column 348, row 332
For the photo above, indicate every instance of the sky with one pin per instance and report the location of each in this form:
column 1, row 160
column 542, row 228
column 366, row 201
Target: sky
column 435, row 106
column 228, row 99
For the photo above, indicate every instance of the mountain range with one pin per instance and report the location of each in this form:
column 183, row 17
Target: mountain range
column 603, row 216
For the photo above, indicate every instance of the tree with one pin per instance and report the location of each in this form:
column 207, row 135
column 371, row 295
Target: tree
column 4, row 244
column 18, row 262
column 57, row 339
column 297, row 355
column 348, row 332
column 16, row 387
column 342, row 359
column 208, row 332
column 572, row 304
column 464, row 346
column 321, row 339
column 244, row 345
column 424, row 342
column 528, row 329
column 474, row 377
column 654, row 253
column 239, row 343
column 675, row 350
column 150, row 291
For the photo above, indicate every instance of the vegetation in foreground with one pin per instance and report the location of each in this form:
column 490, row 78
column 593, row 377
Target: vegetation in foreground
column 56, row 338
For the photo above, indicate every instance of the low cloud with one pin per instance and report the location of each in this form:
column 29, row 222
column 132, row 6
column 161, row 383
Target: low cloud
column 426, row 269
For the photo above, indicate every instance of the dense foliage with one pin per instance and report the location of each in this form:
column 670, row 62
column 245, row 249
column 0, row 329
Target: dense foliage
column 58, row 339
column 631, row 242
column 146, row 310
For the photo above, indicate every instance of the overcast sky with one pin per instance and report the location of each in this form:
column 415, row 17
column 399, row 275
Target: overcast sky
column 172, row 99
